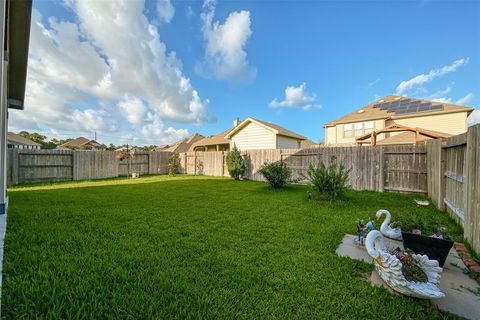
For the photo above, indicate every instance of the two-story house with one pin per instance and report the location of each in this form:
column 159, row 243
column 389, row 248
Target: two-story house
column 433, row 118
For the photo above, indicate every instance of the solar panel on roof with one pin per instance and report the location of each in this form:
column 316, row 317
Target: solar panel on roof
column 427, row 104
column 440, row 107
column 423, row 108
column 411, row 109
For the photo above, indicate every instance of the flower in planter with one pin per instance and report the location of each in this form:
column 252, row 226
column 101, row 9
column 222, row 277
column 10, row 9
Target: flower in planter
column 411, row 269
column 441, row 234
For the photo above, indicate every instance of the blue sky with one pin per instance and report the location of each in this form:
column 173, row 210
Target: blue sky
column 91, row 64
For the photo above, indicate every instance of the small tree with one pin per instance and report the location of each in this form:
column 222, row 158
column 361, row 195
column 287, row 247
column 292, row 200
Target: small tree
column 276, row 173
column 173, row 163
column 329, row 181
column 235, row 163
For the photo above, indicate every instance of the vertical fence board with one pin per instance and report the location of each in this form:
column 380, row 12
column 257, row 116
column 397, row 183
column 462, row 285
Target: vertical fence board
column 472, row 214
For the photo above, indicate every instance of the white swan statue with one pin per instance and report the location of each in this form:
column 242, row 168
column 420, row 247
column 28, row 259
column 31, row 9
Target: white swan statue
column 386, row 229
column 389, row 267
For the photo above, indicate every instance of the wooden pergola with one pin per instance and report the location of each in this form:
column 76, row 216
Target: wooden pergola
column 398, row 128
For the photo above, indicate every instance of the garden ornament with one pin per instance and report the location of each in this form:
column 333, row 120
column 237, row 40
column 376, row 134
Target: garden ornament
column 391, row 267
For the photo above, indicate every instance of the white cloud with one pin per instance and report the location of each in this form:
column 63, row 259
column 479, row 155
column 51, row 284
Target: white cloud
column 443, row 99
column 189, row 12
column 374, row 82
column 133, row 109
column 474, row 118
column 440, row 94
column 466, row 99
column 416, row 82
column 155, row 128
column 165, row 10
column 296, row 97
column 112, row 51
column 225, row 55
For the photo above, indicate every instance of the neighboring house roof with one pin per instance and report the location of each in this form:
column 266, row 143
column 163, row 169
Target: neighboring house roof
column 130, row 149
column 79, row 143
column 270, row 126
column 308, row 144
column 161, row 147
column 18, row 27
column 183, row 145
column 17, row 139
column 396, row 107
column 217, row 139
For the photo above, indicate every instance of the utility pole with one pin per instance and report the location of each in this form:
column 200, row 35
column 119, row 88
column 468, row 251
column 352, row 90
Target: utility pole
column 95, row 135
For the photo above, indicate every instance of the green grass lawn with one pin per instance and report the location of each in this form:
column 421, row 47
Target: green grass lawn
column 193, row 247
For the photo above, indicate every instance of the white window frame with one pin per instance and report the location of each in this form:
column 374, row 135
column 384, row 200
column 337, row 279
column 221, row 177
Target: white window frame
column 350, row 135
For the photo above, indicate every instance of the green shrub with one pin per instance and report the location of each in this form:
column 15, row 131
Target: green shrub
column 329, row 181
column 235, row 163
column 276, row 173
column 173, row 164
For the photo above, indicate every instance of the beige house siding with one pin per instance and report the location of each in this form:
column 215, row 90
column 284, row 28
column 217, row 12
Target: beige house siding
column 330, row 135
column 287, row 143
column 254, row 136
column 335, row 135
column 451, row 123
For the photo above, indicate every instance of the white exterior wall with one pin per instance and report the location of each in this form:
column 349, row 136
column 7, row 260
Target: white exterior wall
column 253, row 137
column 287, row 143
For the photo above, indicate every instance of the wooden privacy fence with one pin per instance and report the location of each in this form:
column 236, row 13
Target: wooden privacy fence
column 454, row 180
column 392, row 168
column 30, row 166
column 449, row 172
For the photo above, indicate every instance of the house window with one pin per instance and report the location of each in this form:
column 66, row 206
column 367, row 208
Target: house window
column 358, row 129
column 348, row 130
column 368, row 127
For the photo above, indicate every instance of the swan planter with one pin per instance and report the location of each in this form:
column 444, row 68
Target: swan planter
column 390, row 269
column 385, row 228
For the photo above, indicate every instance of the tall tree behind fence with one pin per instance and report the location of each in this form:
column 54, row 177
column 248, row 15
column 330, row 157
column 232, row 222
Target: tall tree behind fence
column 454, row 180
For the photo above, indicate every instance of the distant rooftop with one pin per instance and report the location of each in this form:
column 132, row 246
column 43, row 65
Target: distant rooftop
column 393, row 107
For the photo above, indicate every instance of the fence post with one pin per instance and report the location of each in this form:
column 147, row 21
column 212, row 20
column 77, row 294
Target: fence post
column 14, row 166
column 472, row 214
column 381, row 169
column 442, row 182
column 194, row 162
column 223, row 163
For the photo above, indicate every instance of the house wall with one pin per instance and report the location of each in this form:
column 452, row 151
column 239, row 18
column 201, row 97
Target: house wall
column 452, row 123
column 222, row 147
column 287, row 143
column 253, row 137
column 330, row 135
column 335, row 135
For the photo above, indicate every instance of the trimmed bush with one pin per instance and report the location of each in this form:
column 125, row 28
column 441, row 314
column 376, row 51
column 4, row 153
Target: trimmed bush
column 276, row 174
column 329, row 181
column 173, row 164
column 235, row 163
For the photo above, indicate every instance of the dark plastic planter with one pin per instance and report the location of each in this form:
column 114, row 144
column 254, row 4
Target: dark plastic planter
column 435, row 249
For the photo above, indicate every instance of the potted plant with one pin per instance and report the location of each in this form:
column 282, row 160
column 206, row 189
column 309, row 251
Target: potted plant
column 434, row 243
